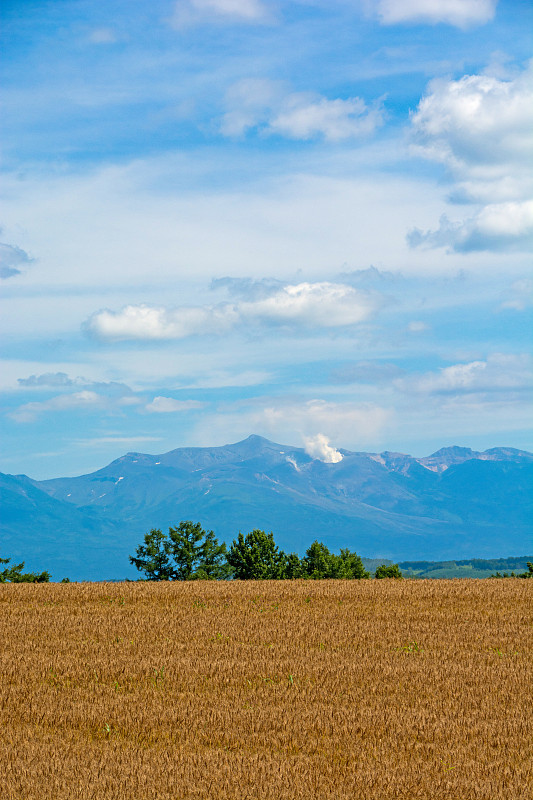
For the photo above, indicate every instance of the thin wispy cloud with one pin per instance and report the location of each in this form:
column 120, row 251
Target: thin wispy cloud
column 29, row 412
column 198, row 12
column 267, row 108
column 168, row 405
column 12, row 260
column 499, row 372
column 460, row 13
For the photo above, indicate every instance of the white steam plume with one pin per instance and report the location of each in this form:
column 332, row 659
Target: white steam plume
column 319, row 447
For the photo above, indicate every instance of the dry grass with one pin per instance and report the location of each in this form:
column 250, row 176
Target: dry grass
column 330, row 689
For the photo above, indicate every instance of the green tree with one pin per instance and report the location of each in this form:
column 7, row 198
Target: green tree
column 528, row 573
column 152, row 557
column 320, row 563
column 388, row 571
column 256, row 557
column 196, row 553
column 293, row 567
column 14, row 574
column 186, row 553
column 353, row 565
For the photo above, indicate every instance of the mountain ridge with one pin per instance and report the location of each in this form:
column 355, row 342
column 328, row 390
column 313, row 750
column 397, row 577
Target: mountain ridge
column 455, row 503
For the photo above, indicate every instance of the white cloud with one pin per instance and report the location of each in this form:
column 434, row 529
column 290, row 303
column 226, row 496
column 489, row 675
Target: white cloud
column 499, row 372
column 305, row 117
column 319, row 447
column 250, row 102
column 167, row 405
column 480, row 128
column 460, row 13
column 324, row 304
column 149, row 322
column 267, row 106
column 79, row 400
column 191, row 12
column 496, row 227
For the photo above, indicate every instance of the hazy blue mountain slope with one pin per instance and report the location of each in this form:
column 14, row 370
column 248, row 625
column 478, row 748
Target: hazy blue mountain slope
column 46, row 533
column 455, row 503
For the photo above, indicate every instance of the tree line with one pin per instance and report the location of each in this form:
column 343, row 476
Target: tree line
column 527, row 574
column 188, row 552
column 14, row 574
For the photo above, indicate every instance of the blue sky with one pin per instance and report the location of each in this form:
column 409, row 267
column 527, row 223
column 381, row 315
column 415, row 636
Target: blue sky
column 306, row 219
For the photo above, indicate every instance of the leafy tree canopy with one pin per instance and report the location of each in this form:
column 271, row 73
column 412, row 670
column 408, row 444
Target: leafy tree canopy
column 320, row 563
column 256, row 557
column 388, row 571
column 187, row 552
column 14, row 574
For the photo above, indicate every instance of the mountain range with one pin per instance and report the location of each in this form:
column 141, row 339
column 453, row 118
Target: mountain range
column 455, row 503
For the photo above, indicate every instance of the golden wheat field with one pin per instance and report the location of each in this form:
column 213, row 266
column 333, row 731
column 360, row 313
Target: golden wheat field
column 326, row 689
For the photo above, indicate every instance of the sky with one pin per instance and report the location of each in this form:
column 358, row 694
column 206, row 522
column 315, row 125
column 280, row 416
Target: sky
column 305, row 219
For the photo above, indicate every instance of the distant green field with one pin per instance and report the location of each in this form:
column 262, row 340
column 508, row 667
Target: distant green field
column 469, row 568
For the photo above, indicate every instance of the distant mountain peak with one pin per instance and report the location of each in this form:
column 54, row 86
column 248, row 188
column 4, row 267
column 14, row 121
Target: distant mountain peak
column 450, row 503
column 256, row 444
column 454, row 450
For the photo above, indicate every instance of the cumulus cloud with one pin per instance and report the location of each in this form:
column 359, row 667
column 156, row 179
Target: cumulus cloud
column 326, row 305
column 479, row 127
column 268, row 107
column 323, row 304
column 499, row 372
column 150, row 322
column 497, row 227
column 192, row 12
column 319, row 447
column 11, row 258
column 29, row 412
column 167, row 405
column 460, row 13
